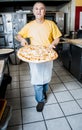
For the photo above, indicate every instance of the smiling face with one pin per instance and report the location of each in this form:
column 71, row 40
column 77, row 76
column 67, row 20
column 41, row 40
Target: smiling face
column 39, row 10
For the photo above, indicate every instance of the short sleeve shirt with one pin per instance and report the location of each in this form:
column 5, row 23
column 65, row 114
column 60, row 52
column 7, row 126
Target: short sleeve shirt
column 40, row 33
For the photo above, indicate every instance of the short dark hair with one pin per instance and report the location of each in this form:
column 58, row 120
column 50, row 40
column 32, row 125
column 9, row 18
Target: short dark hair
column 39, row 3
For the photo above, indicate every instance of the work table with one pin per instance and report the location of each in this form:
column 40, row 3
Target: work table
column 76, row 42
column 72, row 56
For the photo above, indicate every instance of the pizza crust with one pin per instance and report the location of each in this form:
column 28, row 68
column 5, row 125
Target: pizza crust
column 36, row 54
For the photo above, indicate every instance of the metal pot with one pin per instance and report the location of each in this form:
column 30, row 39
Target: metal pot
column 73, row 34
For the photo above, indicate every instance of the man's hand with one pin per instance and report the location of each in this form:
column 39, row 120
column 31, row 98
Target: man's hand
column 21, row 40
column 51, row 46
column 24, row 42
column 54, row 43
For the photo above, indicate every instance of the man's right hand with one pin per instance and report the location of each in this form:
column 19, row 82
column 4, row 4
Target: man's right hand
column 24, row 42
column 21, row 40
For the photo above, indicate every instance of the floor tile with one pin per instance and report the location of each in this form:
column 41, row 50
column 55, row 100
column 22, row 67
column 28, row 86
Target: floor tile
column 28, row 102
column 77, row 94
column 58, row 124
column 58, row 87
column 60, row 69
column 13, row 85
column 31, row 115
column 25, row 84
column 27, row 92
column 35, row 126
column 52, row 111
column 14, row 102
column 12, row 93
column 72, row 85
column 24, row 77
column 49, row 90
column 75, row 122
column 15, row 128
column 63, row 96
column 53, row 74
column 24, row 67
column 23, row 72
column 80, row 102
column 62, row 72
column 56, row 63
column 14, row 73
column 55, row 79
column 15, row 78
column 66, row 78
column 51, row 99
column 70, row 108
column 16, row 118
column 14, row 68
column 80, row 83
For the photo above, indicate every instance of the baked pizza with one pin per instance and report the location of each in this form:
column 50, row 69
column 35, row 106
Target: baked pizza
column 37, row 54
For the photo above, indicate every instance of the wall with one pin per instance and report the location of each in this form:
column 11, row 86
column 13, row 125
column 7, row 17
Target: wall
column 69, row 9
column 78, row 9
column 78, row 2
column 73, row 10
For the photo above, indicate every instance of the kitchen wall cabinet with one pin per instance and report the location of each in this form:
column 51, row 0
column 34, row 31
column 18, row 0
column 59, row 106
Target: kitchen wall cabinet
column 72, row 59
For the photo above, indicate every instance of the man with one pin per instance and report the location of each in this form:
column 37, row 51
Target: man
column 45, row 33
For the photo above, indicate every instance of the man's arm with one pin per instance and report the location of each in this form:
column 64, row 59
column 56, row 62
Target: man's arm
column 21, row 40
column 54, row 43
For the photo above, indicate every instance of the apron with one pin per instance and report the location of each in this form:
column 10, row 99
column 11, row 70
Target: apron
column 41, row 72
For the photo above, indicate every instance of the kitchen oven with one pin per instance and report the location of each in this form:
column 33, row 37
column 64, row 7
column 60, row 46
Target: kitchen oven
column 10, row 24
column 2, row 36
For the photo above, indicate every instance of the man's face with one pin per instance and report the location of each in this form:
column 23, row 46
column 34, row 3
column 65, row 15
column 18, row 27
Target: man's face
column 39, row 10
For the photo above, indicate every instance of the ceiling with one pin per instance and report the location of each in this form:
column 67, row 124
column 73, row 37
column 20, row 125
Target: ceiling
column 12, row 5
column 30, row 3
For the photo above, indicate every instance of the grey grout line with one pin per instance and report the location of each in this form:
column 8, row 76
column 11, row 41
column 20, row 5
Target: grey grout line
column 44, row 121
column 20, row 102
column 62, row 111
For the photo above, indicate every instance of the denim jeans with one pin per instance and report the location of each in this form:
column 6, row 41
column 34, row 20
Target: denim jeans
column 39, row 92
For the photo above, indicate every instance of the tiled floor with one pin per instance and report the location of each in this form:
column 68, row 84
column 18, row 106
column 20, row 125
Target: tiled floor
column 63, row 110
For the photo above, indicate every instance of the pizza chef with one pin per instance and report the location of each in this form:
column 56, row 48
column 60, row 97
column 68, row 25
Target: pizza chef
column 41, row 32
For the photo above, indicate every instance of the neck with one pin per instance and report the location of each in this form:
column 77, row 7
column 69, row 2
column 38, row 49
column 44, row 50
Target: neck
column 39, row 20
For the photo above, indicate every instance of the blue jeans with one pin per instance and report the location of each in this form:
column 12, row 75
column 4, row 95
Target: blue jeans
column 39, row 92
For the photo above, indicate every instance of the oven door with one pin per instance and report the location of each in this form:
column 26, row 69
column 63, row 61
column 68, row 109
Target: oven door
column 2, row 41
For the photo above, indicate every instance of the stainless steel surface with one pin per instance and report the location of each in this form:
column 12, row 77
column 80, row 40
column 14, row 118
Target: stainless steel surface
column 73, row 34
column 60, row 20
column 10, row 24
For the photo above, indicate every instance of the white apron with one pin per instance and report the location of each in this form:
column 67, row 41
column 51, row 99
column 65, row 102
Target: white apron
column 41, row 72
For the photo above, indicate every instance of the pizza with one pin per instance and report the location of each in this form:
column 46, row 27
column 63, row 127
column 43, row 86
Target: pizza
column 37, row 54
